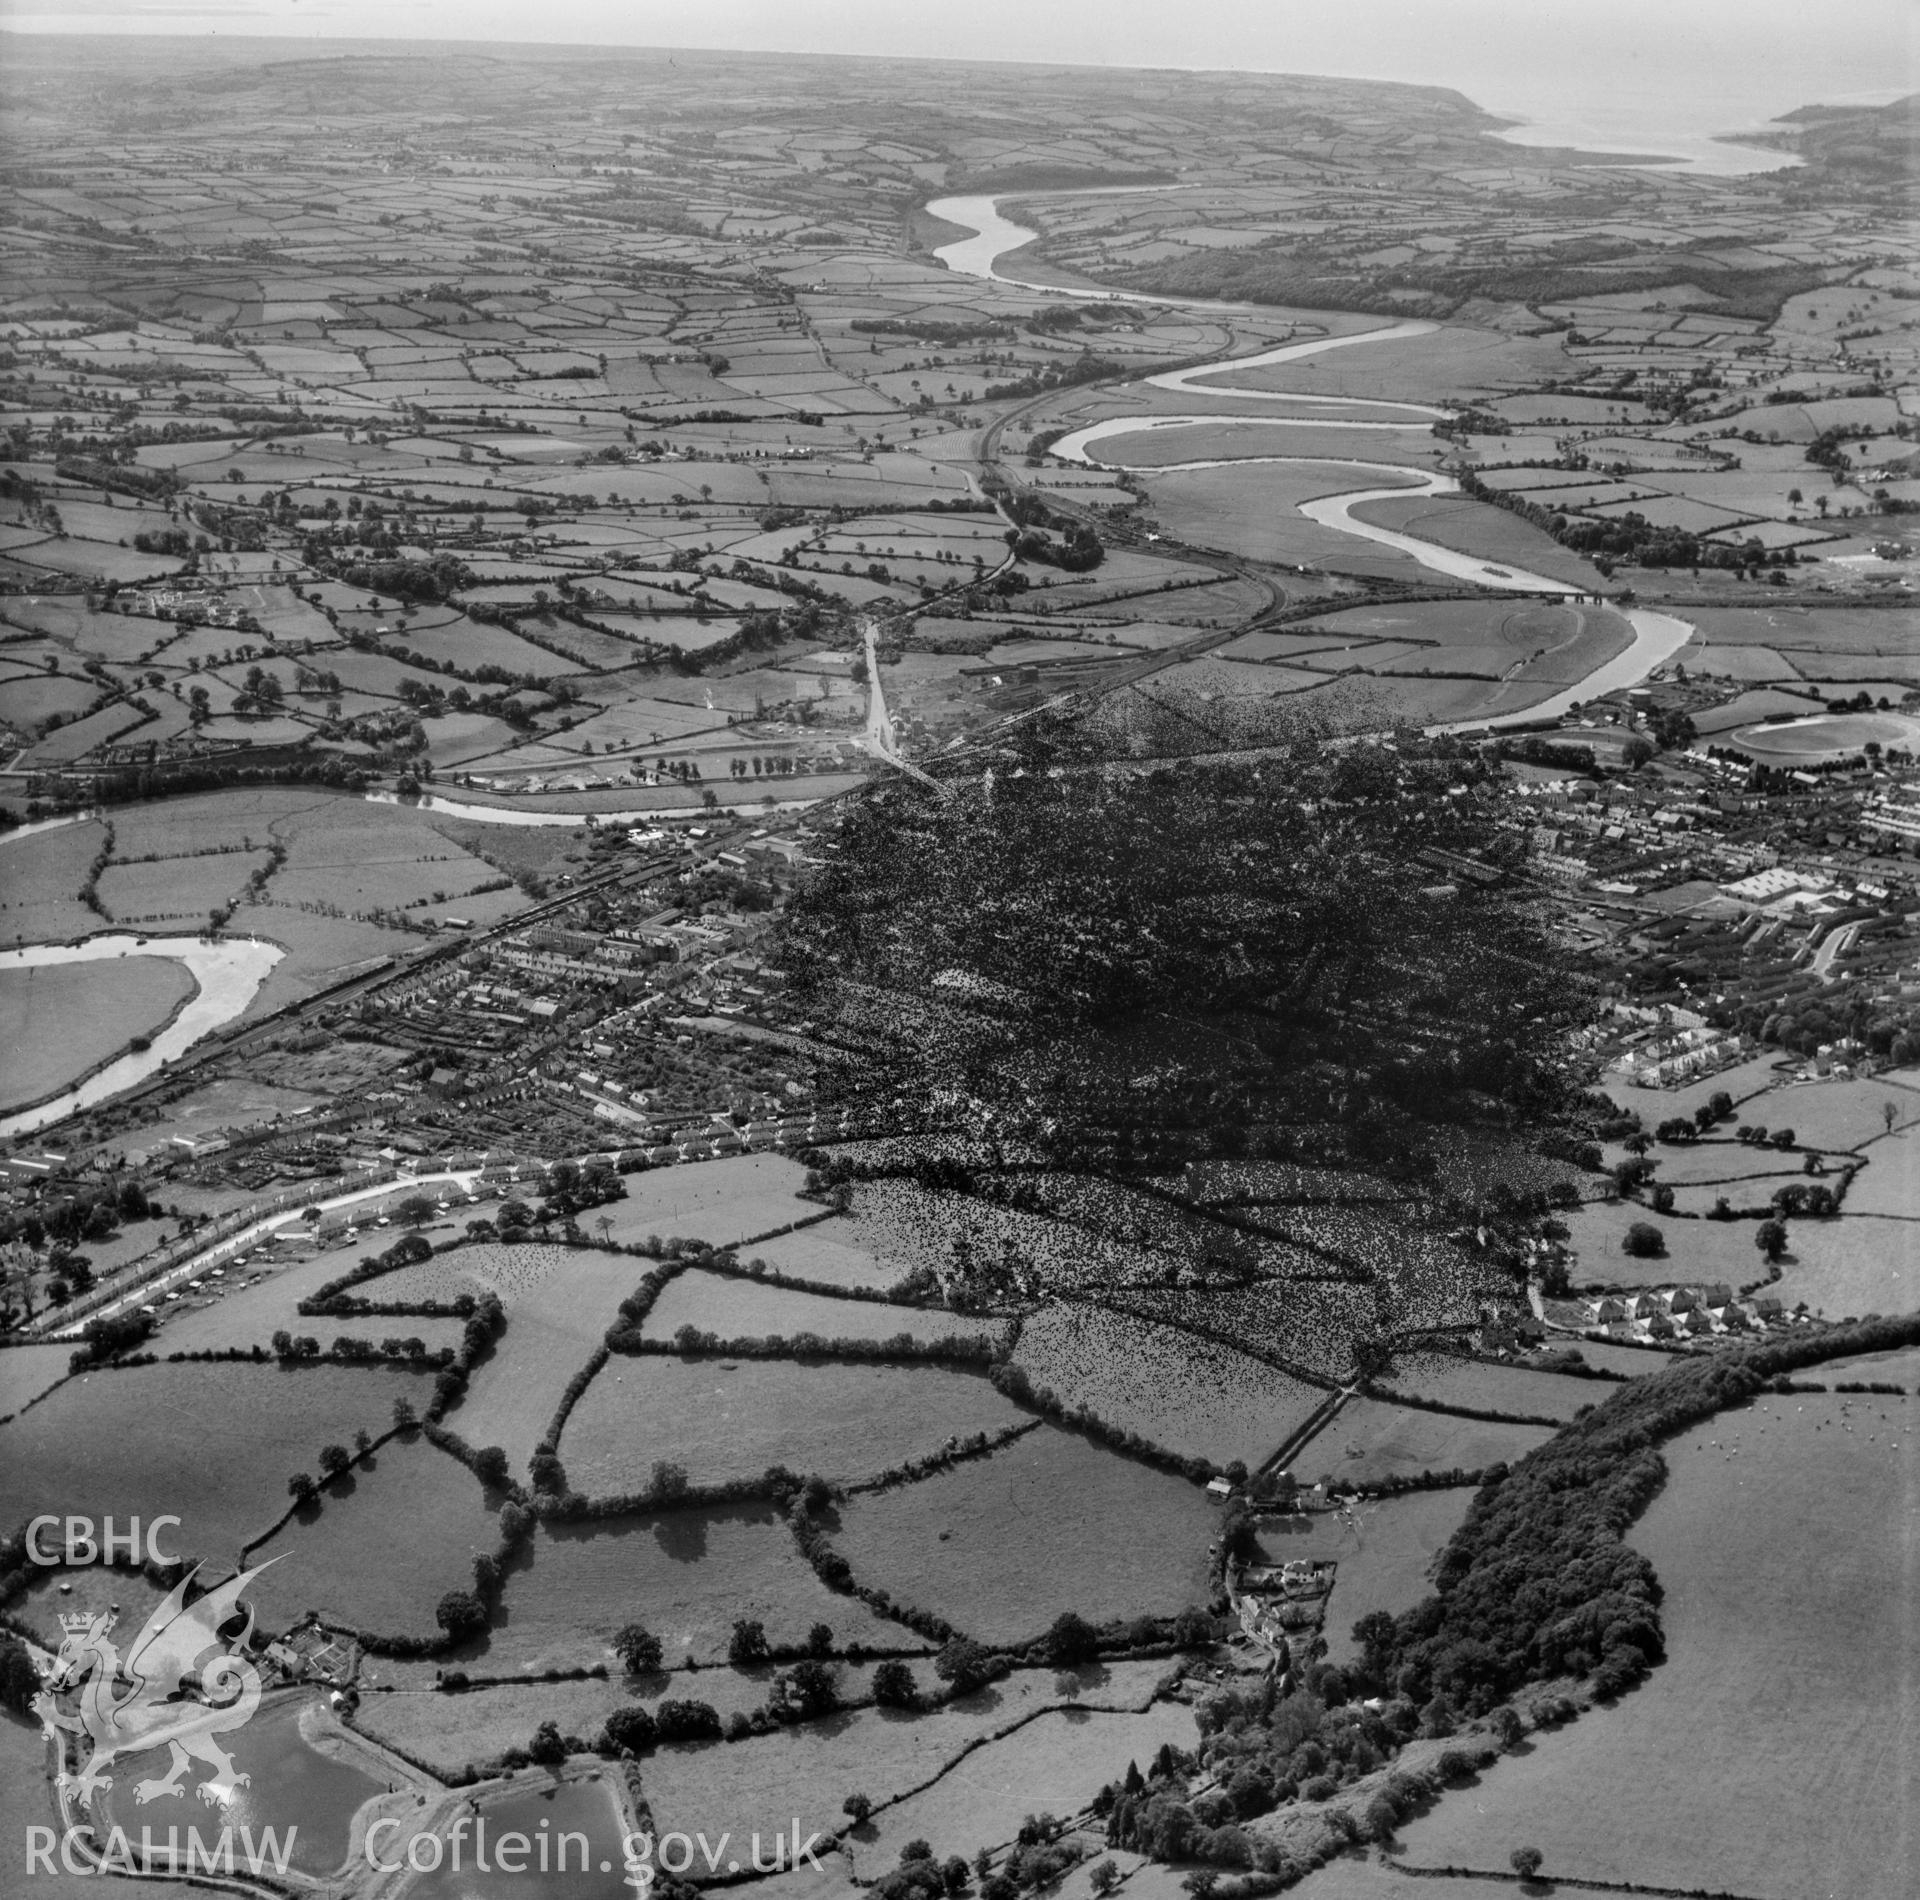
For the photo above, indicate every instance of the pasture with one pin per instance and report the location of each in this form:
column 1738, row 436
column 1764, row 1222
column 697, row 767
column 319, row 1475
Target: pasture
column 384, row 1545
column 723, row 1202
column 1783, row 1692
column 828, row 1253
column 1846, row 1268
column 213, row 1445
column 1190, row 1395
column 1056, row 1764
column 1000, row 1546
column 59, row 1022
column 1483, row 1385
column 806, row 1772
column 1372, row 1439
column 1696, row 1249
column 751, row 1309
column 724, row 1419
column 28, row 1371
column 686, row 1574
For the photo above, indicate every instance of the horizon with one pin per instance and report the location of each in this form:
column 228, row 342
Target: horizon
column 1721, row 65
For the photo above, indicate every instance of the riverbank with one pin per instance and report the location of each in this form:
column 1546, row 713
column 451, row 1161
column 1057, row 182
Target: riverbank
column 227, row 974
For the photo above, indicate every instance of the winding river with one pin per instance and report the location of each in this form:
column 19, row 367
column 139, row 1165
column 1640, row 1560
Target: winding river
column 1656, row 637
column 228, row 973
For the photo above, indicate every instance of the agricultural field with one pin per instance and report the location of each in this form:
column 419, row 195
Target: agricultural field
column 1052, row 1522
column 213, row 1445
column 1372, row 1439
column 1847, row 1268
column 828, row 1253
column 1696, row 1249
column 382, row 1546
column 688, row 1575
column 726, row 1419
column 1785, row 1712
column 722, row 1203
column 911, row 1760
column 734, row 1308
column 28, row 1371
column 1188, row 1395
column 1479, row 1385
column 59, row 1022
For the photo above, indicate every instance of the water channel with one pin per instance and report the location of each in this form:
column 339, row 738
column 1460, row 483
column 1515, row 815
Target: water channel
column 1657, row 637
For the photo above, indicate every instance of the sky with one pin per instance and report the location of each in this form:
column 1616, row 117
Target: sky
column 1722, row 64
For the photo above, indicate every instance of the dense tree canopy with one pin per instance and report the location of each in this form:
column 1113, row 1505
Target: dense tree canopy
column 1097, row 958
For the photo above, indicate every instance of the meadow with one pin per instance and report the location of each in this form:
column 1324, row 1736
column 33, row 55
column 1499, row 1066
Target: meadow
column 1845, row 1269
column 725, row 1419
column 884, row 1753
column 59, row 1022
column 686, row 1574
column 1696, row 1249
column 1190, row 1395
column 1482, row 1385
column 1371, row 1440
column 1056, row 1764
column 723, row 1202
column 383, row 1546
column 213, row 1445
column 1000, row 1546
column 750, row 1309
column 28, row 1371
column 828, row 1253
column 1782, row 1692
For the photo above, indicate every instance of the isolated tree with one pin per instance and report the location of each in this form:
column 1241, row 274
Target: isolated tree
column 334, row 1460
column 638, row 1648
column 1643, row 1241
column 1771, row 1238
column 1526, row 1861
column 856, row 1807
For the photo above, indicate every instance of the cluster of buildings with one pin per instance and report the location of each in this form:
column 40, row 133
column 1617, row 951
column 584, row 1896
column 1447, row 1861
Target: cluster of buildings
column 1679, row 1312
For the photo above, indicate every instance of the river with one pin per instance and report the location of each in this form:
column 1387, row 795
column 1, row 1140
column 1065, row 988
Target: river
column 228, row 971
column 1656, row 637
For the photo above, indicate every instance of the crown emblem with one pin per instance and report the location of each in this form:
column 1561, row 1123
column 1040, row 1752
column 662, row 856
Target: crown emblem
column 78, row 1622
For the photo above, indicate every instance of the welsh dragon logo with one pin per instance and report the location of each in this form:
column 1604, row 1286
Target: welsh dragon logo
column 159, row 1696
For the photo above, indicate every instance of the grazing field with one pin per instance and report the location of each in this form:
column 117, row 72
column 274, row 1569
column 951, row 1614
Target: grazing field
column 1696, row 1249
column 1371, row 1439
column 250, row 1315
column 1384, row 1551
column 806, row 1772
column 1001, row 1546
column 723, row 1202
column 687, row 1575
column 1890, row 1182
column 828, row 1253
column 59, row 1022
column 41, row 882
column 28, row 1371
column 724, row 1419
column 1056, row 1764
column 1847, row 1268
column 1480, row 1385
column 383, row 1547
column 750, row 1309
column 1784, row 1690
column 1190, row 1395
column 213, row 1445
column 1834, row 1115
